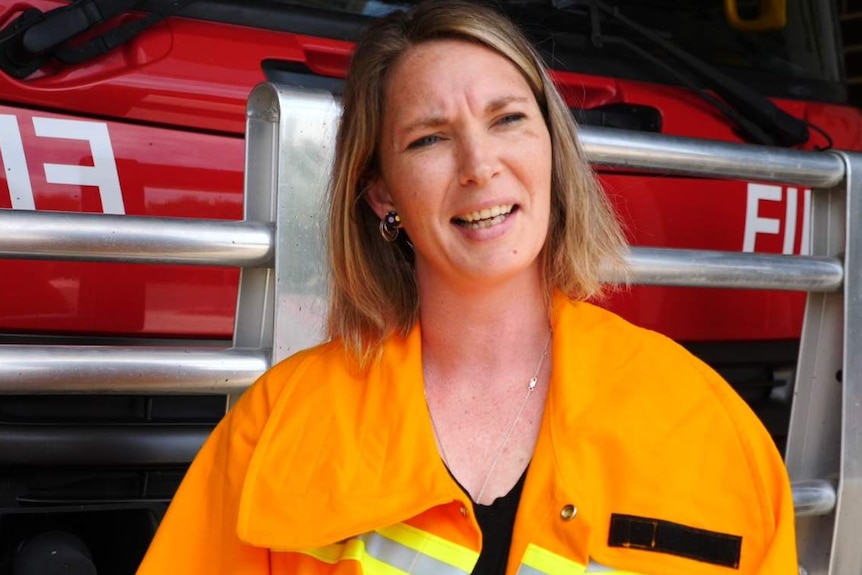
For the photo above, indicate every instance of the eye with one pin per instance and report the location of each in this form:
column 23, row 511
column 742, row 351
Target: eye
column 512, row 118
column 423, row 142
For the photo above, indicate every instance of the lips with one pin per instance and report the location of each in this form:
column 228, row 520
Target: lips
column 484, row 218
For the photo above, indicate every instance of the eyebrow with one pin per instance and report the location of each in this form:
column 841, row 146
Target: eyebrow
column 504, row 101
column 434, row 121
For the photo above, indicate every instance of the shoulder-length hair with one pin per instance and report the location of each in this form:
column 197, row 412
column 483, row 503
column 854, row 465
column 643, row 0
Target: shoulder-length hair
column 373, row 291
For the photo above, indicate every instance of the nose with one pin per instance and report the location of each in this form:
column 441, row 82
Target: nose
column 478, row 161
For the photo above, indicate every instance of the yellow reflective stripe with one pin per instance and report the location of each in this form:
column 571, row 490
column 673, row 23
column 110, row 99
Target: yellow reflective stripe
column 400, row 549
column 352, row 549
column 539, row 561
column 434, row 546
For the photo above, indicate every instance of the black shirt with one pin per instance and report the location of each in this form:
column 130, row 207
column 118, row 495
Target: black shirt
column 497, row 521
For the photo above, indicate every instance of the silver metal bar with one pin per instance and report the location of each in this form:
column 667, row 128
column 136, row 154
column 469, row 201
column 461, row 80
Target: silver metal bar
column 846, row 556
column 145, row 370
column 705, row 158
column 134, row 239
column 814, row 439
column 813, row 497
column 701, row 268
column 255, row 303
column 307, row 141
column 300, row 126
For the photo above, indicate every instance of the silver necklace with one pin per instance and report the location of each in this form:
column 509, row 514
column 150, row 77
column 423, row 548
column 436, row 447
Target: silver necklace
column 531, row 385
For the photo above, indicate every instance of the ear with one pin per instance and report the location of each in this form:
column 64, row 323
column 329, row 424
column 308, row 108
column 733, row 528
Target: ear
column 378, row 197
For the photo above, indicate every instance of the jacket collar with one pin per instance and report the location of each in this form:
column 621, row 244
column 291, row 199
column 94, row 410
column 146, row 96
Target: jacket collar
column 342, row 454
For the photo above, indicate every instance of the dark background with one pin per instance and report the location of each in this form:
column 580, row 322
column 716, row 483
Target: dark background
column 851, row 30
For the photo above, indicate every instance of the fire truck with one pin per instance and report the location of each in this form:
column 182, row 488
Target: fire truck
column 161, row 229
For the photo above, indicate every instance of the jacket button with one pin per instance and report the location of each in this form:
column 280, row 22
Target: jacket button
column 568, row 512
column 463, row 511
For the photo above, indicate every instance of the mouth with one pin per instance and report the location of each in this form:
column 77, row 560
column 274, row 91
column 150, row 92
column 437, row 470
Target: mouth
column 486, row 218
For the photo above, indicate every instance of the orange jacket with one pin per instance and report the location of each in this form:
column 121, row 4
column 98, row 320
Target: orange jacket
column 647, row 462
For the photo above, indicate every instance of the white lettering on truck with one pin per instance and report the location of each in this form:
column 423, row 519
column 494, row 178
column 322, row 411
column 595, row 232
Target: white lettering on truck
column 15, row 164
column 102, row 174
column 758, row 224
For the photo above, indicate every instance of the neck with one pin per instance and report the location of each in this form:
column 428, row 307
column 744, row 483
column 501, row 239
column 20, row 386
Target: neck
column 482, row 331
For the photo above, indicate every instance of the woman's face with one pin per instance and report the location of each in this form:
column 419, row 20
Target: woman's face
column 465, row 159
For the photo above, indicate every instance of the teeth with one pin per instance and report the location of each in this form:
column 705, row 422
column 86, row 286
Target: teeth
column 486, row 223
column 486, row 214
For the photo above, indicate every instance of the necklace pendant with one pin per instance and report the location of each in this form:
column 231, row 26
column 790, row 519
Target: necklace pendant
column 533, row 382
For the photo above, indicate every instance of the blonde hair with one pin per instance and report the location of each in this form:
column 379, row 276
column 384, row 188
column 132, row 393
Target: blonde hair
column 373, row 291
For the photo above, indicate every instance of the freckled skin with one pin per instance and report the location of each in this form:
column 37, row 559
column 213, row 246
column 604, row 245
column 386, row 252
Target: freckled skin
column 462, row 132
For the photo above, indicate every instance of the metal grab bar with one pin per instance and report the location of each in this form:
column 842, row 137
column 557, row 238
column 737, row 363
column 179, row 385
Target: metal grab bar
column 813, row 498
column 707, row 158
column 701, row 268
column 135, row 239
column 144, row 370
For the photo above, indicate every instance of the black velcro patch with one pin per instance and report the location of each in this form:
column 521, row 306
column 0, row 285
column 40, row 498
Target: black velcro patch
column 674, row 539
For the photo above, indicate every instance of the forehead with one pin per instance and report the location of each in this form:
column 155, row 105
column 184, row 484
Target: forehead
column 438, row 73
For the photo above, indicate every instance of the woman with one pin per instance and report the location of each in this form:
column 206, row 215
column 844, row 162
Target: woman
column 471, row 413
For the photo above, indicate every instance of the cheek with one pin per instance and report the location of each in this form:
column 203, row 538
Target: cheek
column 538, row 159
column 412, row 194
column 417, row 184
column 540, row 169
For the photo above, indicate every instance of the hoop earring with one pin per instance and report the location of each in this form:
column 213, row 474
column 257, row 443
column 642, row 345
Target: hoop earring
column 390, row 226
